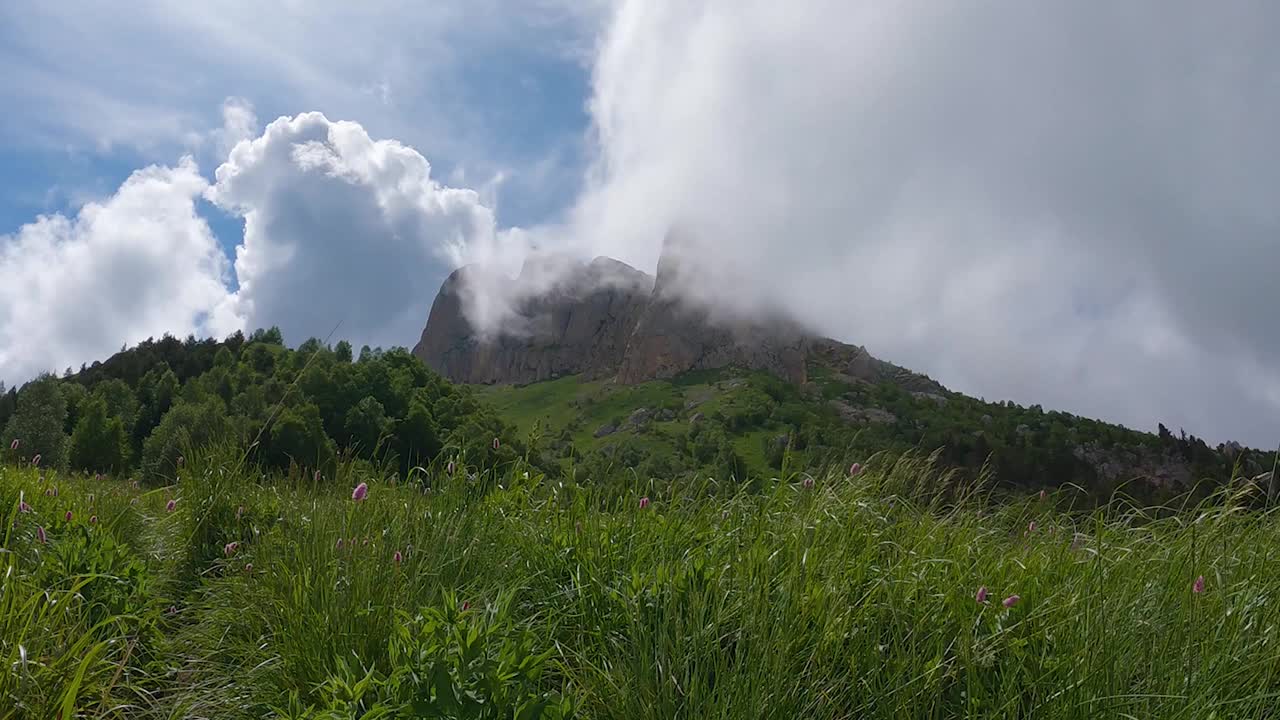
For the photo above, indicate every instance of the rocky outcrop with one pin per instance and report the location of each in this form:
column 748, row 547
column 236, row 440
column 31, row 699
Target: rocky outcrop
column 607, row 319
column 581, row 323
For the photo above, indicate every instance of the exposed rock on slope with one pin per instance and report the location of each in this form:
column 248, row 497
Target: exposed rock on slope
column 607, row 319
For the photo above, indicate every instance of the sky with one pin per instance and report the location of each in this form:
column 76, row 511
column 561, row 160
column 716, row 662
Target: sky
column 1057, row 203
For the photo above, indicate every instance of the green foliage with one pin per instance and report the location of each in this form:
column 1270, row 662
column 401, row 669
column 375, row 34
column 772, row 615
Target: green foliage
column 297, row 436
column 186, row 426
column 38, row 422
column 99, row 442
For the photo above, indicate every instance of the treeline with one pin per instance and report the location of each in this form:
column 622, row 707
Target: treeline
column 135, row 412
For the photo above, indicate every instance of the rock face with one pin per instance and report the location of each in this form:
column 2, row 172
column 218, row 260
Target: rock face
column 607, row 319
column 581, row 324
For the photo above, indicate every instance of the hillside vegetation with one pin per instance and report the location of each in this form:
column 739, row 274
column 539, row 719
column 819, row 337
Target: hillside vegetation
column 500, row 593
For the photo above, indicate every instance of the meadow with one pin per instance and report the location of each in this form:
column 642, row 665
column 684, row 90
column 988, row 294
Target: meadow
column 465, row 592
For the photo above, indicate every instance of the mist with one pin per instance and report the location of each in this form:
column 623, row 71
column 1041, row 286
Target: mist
column 1060, row 203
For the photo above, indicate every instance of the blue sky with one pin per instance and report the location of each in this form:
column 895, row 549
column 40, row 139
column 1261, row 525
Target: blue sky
column 1055, row 203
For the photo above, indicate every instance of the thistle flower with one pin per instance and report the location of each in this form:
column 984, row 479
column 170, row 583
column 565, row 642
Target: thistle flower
column 981, row 597
column 1197, row 587
column 36, row 460
column 397, row 557
column 230, row 548
column 360, row 492
column 40, row 535
column 93, row 519
column 854, row 469
column 1011, row 601
column 67, row 517
column 644, row 503
column 171, row 505
column 14, row 445
column 807, row 483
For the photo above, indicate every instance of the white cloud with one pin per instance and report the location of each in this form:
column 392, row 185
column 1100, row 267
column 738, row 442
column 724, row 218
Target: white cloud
column 138, row 264
column 338, row 227
column 341, row 227
column 1059, row 203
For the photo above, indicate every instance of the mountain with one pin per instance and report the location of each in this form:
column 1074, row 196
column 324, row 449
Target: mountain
column 605, row 319
column 613, row 368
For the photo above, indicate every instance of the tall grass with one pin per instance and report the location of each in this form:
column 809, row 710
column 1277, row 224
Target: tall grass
column 852, row 598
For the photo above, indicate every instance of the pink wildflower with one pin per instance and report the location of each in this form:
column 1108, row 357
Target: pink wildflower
column 14, row 445
column 172, row 610
column 1011, row 601
column 360, row 492
column 465, row 606
column 644, row 503
column 97, row 477
column 397, row 557
column 23, row 506
column 248, row 567
column 495, row 443
column 981, row 597
column 171, row 506
column 36, row 460
column 339, row 543
column 93, row 519
column 40, row 535
column 449, row 468
column 1031, row 526
column 854, row 469
column 67, row 517
column 807, row 483
column 1198, row 586
column 230, row 548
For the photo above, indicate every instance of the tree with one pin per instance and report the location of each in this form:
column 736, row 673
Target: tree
column 418, row 435
column 367, row 423
column 297, row 435
column 185, row 426
column 120, row 401
column 99, row 442
column 37, row 422
column 343, row 351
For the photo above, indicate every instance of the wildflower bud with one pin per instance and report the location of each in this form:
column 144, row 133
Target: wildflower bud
column 360, row 492
column 449, row 468
column 40, row 535
column 1031, row 526
column 854, row 469
column 171, row 505
column 465, row 606
column 1197, row 587
column 36, row 460
column 93, row 519
column 23, row 506
column 14, row 445
column 1011, row 601
column 1042, row 494
column 181, row 462
column 644, row 503
column 67, row 517
column 315, row 477
column 230, row 548
column 339, row 543
column 397, row 557
column 807, row 483
column 248, row 567
column 981, row 597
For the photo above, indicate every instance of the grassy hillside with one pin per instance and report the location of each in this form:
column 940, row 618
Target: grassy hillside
column 753, row 425
column 233, row 594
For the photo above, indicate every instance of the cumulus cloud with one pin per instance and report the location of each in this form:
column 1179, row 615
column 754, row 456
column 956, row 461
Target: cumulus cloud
column 343, row 228
column 1058, row 203
column 338, row 227
column 140, row 263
